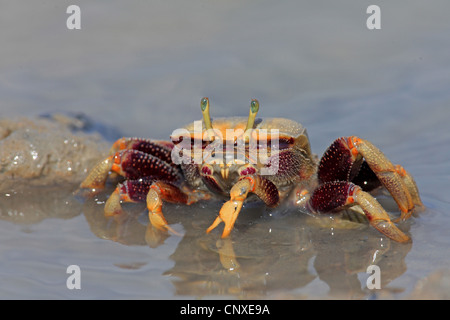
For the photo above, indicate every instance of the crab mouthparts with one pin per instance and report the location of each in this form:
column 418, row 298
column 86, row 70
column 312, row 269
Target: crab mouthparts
column 224, row 171
column 225, row 168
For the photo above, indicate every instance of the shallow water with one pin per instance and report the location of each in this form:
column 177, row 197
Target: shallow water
column 142, row 69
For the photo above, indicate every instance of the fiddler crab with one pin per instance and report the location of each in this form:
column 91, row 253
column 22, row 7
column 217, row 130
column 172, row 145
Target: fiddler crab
column 240, row 157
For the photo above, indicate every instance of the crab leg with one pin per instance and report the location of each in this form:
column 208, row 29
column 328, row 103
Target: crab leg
column 96, row 178
column 401, row 185
column 154, row 192
column 158, row 148
column 128, row 191
column 410, row 184
column 333, row 196
column 134, row 164
column 165, row 191
column 229, row 212
column 342, row 160
column 158, row 192
column 130, row 164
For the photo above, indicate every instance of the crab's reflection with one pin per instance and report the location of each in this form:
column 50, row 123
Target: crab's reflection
column 269, row 254
column 266, row 255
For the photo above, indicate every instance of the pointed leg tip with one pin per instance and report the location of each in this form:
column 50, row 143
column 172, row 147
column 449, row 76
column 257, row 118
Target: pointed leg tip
column 113, row 213
column 112, row 205
column 173, row 231
column 404, row 240
column 401, row 238
column 159, row 222
column 112, row 210
column 390, row 230
column 214, row 225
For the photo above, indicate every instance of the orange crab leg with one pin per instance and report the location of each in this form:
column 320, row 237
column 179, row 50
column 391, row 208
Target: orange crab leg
column 96, row 179
column 343, row 159
column 229, row 212
column 401, row 188
column 128, row 191
column 133, row 158
column 158, row 192
column 333, row 196
column 410, row 184
column 131, row 164
column 154, row 192
column 377, row 216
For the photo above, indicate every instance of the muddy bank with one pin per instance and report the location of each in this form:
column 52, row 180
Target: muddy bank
column 44, row 151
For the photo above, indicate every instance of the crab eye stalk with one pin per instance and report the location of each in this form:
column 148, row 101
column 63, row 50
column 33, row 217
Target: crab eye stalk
column 254, row 107
column 204, row 105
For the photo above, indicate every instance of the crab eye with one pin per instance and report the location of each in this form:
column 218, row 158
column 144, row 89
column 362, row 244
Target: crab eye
column 204, row 103
column 254, row 105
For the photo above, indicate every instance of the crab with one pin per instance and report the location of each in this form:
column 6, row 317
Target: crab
column 267, row 159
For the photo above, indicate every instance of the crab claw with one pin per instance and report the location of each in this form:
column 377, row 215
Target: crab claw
column 228, row 215
column 230, row 210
